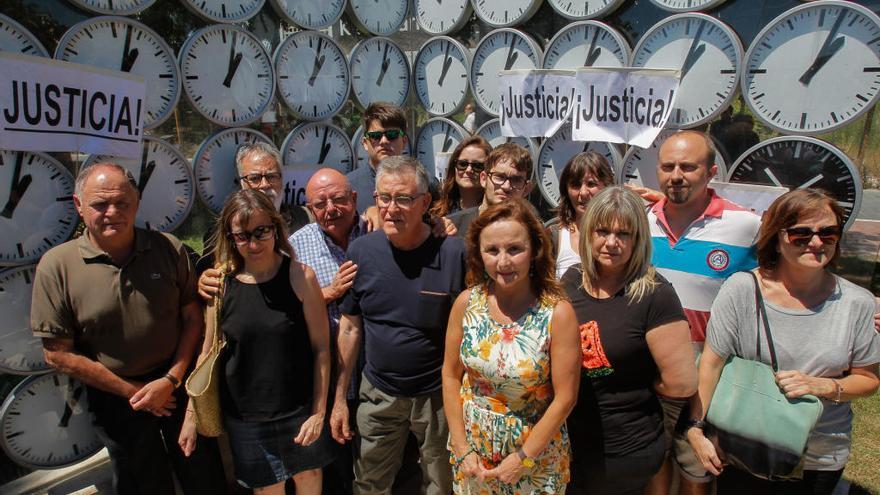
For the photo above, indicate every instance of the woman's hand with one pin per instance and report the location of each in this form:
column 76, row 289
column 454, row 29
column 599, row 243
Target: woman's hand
column 188, row 434
column 705, row 450
column 471, row 467
column 310, row 430
column 795, row 384
column 509, row 471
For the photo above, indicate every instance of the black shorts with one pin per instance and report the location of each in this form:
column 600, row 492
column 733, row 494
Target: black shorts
column 618, row 475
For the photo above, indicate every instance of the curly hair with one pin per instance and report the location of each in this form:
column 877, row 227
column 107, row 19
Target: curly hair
column 449, row 193
column 587, row 162
column 243, row 205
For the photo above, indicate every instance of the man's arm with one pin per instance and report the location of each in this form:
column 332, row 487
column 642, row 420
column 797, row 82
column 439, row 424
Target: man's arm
column 348, row 343
column 61, row 355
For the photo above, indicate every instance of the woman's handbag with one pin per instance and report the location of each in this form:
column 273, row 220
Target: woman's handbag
column 760, row 430
column 203, row 384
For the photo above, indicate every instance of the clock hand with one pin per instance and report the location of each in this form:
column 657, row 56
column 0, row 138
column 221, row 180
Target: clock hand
column 695, row 51
column 18, row 186
column 68, row 408
column 447, row 142
column 592, row 52
column 234, row 60
column 128, row 55
column 385, row 63
column 511, row 57
column 319, row 62
column 325, row 148
column 810, row 182
column 146, row 172
column 773, row 178
column 821, row 60
column 447, row 62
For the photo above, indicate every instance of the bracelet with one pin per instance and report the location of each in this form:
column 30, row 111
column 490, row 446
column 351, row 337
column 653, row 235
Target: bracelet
column 173, row 379
column 695, row 423
column 839, row 390
column 456, row 461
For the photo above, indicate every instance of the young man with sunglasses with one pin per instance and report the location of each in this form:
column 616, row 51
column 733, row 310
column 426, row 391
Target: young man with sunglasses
column 384, row 136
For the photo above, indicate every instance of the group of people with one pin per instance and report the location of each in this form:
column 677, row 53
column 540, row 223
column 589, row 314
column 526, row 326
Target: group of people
column 512, row 356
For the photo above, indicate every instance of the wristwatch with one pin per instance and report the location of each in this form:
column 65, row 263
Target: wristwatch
column 526, row 461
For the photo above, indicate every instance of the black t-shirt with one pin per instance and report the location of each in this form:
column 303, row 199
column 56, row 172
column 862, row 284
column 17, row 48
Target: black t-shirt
column 617, row 412
column 404, row 298
column 462, row 219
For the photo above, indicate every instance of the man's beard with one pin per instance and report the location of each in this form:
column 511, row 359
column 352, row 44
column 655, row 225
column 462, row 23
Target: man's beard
column 275, row 197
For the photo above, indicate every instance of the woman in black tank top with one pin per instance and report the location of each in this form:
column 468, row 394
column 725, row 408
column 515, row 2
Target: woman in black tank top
column 275, row 369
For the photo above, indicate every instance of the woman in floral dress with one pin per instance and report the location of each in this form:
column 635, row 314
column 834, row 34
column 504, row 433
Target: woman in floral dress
column 510, row 374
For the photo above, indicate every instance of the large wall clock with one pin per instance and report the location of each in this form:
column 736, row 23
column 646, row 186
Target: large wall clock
column 16, row 38
column 814, row 68
column 687, row 5
column 491, row 132
column 313, row 75
column 557, row 150
column 36, row 197
column 164, row 181
column 379, row 17
column 113, row 7
column 318, row 143
column 501, row 49
column 442, row 16
column 584, row 9
column 639, row 166
column 21, row 352
column 709, row 54
column 310, row 14
column 361, row 159
column 437, row 135
column 123, row 44
column 227, row 75
column 798, row 162
column 224, row 10
column 587, row 44
column 505, row 13
column 441, row 75
column 46, row 423
column 214, row 164
column 379, row 72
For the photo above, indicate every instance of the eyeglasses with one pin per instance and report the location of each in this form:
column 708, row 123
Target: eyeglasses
column 261, row 233
column 516, row 181
column 801, row 236
column 390, row 134
column 462, row 165
column 255, row 180
column 403, row 201
column 337, row 202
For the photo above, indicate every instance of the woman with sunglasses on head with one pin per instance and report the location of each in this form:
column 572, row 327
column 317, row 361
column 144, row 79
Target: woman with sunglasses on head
column 636, row 347
column 275, row 369
column 461, row 187
column 822, row 328
column 582, row 178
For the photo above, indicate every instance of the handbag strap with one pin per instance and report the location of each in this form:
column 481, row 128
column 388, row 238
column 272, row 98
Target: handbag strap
column 761, row 315
column 219, row 338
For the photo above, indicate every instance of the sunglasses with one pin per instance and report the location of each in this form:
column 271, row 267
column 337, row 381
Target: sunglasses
column 801, row 236
column 462, row 165
column 261, row 233
column 390, row 134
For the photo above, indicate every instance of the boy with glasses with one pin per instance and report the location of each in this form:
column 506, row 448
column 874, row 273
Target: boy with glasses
column 384, row 136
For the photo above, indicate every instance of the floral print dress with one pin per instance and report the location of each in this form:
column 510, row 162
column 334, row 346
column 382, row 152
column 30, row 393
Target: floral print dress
column 505, row 390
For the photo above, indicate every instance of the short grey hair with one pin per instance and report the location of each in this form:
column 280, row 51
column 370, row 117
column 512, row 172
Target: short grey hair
column 86, row 172
column 258, row 148
column 403, row 165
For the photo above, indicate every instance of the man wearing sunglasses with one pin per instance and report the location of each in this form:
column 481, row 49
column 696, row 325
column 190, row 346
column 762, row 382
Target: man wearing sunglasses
column 384, row 136
column 505, row 175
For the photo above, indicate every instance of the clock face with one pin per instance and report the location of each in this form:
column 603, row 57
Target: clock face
column 442, row 16
column 687, row 5
column 585, row 9
column 118, row 43
column 379, row 72
column 20, row 351
column 113, row 7
column 164, row 180
column 36, row 194
column 214, row 164
column 709, row 55
column 310, row 14
column 227, row 75
column 16, row 38
column 491, row 132
column 224, row 10
column 587, row 44
column 313, row 77
column 441, row 72
column 504, row 13
column 557, row 150
column 639, row 166
column 379, row 17
column 360, row 154
column 814, row 68
column 318, row 143
column 46, row 423
column 798, row 162
column 502, row 49
column 438, row 135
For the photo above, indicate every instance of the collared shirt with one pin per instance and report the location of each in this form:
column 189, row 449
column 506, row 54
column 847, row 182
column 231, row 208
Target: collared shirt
column 363, row 182
column 720, row 242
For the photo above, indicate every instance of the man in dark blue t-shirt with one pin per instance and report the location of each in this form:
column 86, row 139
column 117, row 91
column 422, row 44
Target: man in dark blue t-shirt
column 399, row 301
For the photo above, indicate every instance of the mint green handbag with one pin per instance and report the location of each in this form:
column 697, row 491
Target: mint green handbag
column 760, row 430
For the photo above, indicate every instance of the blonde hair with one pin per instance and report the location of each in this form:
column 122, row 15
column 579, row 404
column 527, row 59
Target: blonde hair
column 618, row 204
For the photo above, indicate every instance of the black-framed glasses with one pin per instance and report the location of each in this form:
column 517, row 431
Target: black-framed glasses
column 404, row 201
column 255, row 180
column 261, row 233
column 390, row 134
column 337, row 201
column 462, row 165
column 516, row 181
column 801, row 236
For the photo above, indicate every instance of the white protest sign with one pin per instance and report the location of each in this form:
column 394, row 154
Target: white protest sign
column 441, row 163
column 50, row 105
column 623, row 105
column 295, row 178
column 535, row 103
column 752, row 196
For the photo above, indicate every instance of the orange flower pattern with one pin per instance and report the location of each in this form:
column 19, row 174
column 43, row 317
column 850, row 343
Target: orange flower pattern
column 595, row 362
